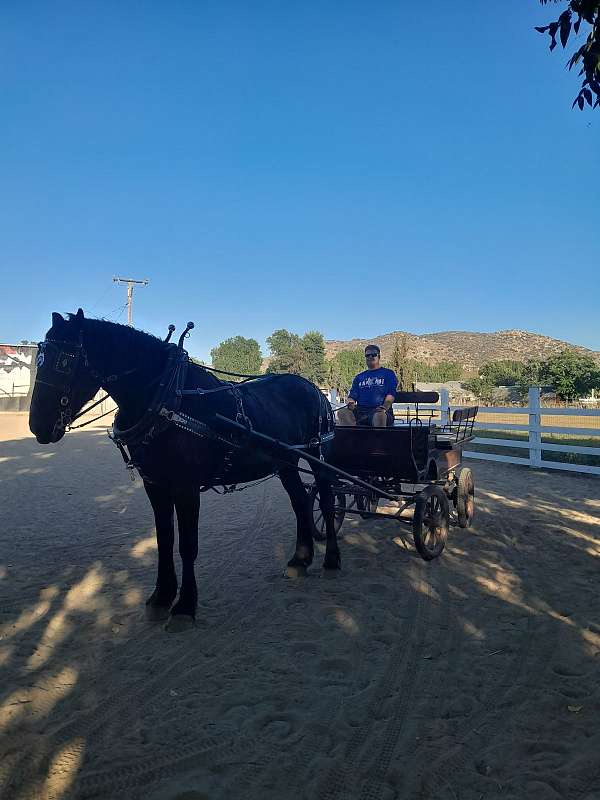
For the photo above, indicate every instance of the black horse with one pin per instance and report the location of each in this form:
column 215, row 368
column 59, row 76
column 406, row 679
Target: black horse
column 79, row 356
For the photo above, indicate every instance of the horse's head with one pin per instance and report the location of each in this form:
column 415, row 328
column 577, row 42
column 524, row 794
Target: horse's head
column 64, row 381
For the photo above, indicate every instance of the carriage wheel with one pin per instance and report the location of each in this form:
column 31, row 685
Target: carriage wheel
column 431, row 521
column 366, row 504
column 465, row 497
column 318, row 521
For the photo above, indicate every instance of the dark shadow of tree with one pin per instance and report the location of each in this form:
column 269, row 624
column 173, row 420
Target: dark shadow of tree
column 398, row 679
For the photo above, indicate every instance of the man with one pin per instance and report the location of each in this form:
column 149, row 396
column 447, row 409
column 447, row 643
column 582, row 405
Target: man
column 372, row 394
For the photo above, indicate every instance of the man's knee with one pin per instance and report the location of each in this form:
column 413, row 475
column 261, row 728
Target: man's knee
column 379, row 419
column 346, row 417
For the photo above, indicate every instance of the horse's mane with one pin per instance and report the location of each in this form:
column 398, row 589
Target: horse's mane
column 116, row 337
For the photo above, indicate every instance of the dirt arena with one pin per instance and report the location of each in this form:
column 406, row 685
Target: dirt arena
column 470, row 678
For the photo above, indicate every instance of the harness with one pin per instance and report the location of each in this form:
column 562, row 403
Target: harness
column 164, row 410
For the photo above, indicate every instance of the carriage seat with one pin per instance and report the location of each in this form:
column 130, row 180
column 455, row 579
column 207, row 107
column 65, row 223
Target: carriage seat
column 417, row 397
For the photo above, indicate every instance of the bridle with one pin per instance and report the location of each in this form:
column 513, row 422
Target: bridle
column 67, row 358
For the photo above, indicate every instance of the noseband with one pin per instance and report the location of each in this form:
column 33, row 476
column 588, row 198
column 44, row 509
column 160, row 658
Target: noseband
column 60, row 362
column 63, row 360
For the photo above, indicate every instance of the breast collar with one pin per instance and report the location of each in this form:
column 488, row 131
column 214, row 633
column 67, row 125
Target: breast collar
column 151, row 423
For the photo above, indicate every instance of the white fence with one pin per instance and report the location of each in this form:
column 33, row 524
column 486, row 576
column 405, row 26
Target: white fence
column 535, row 430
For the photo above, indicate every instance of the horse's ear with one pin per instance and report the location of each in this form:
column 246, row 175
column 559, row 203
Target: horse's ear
column 79, row 315
column 56, row 318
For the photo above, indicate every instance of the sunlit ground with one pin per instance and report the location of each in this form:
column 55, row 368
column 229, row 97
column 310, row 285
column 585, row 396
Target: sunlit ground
column 474, row 676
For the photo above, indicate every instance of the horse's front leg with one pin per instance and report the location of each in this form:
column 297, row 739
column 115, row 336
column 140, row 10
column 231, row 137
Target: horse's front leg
column 165, row 592
column 332, row 560
column 187, row 506
column 303, row 556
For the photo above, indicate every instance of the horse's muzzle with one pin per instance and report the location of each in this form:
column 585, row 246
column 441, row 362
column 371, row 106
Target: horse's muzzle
column 55, row 435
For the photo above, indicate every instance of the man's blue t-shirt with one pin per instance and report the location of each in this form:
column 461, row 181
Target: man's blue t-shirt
column 370, row 387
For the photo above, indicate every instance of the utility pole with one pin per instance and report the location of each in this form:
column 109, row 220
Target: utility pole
column 130, row 284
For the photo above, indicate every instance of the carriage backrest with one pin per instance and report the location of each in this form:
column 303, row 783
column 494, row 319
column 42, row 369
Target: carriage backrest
column 417, row 397
column 464, row 414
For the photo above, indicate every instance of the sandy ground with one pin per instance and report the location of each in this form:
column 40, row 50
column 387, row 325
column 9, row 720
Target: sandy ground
column 473, row 677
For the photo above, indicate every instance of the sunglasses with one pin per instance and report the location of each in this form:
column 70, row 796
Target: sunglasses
column 371, row 355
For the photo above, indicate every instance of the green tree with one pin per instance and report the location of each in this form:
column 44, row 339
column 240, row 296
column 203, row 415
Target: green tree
column 343, row 367
column 483, row 388
column 237, row 355
column 572, row 374
column 299, row 355
column 502, row 373
column 533, row 373
column 314, row 347
column 287, row 353
column 440, row 372
column 399, row 362
column 586, row 57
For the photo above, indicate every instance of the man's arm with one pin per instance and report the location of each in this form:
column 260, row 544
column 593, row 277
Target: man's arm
column 387, row 403
column 391, row 385
column 353, row 391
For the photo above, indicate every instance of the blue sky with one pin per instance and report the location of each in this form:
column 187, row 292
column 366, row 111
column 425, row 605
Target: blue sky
column 355, row 168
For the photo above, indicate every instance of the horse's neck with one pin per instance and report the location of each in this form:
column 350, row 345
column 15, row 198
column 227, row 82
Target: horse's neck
column 203, row 379
column 133, row 360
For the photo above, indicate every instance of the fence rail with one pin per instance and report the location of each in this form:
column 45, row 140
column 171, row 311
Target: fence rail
column 535, row 430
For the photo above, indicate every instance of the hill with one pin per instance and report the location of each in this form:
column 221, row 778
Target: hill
column 470, row 349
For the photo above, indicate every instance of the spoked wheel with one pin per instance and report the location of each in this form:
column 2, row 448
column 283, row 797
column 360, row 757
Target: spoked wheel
column 318, row 520
column 366, row 504
column 465, row 497
column 431, row 521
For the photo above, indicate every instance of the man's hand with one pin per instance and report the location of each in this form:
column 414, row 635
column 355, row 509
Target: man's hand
column 388, row 402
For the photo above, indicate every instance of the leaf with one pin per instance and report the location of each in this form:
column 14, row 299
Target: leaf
column 542, row 30
column 552, row 44
column 588, row 96
column 576, row 24
column 565, row 29
column 575, row 709
column 580, row 102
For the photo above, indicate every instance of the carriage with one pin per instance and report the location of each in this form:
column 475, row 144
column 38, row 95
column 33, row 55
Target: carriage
column 414, row 465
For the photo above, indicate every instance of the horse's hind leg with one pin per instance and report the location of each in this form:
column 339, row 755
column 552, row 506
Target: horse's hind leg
column 304, row 553
column 187, row 506
column 332, row 558
column 165, row 592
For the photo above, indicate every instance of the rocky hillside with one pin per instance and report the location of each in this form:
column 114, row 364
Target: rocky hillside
column 470, row 349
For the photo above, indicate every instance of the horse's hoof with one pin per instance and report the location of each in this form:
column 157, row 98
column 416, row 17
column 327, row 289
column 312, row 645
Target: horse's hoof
column 157, row 613
column 180, row 623
column 332, row 563
column 296, row 571
column 330, row 573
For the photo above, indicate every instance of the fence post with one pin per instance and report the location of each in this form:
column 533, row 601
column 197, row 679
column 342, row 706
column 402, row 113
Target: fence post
column 333, row 396
column 444, row 406
column 535, row 433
